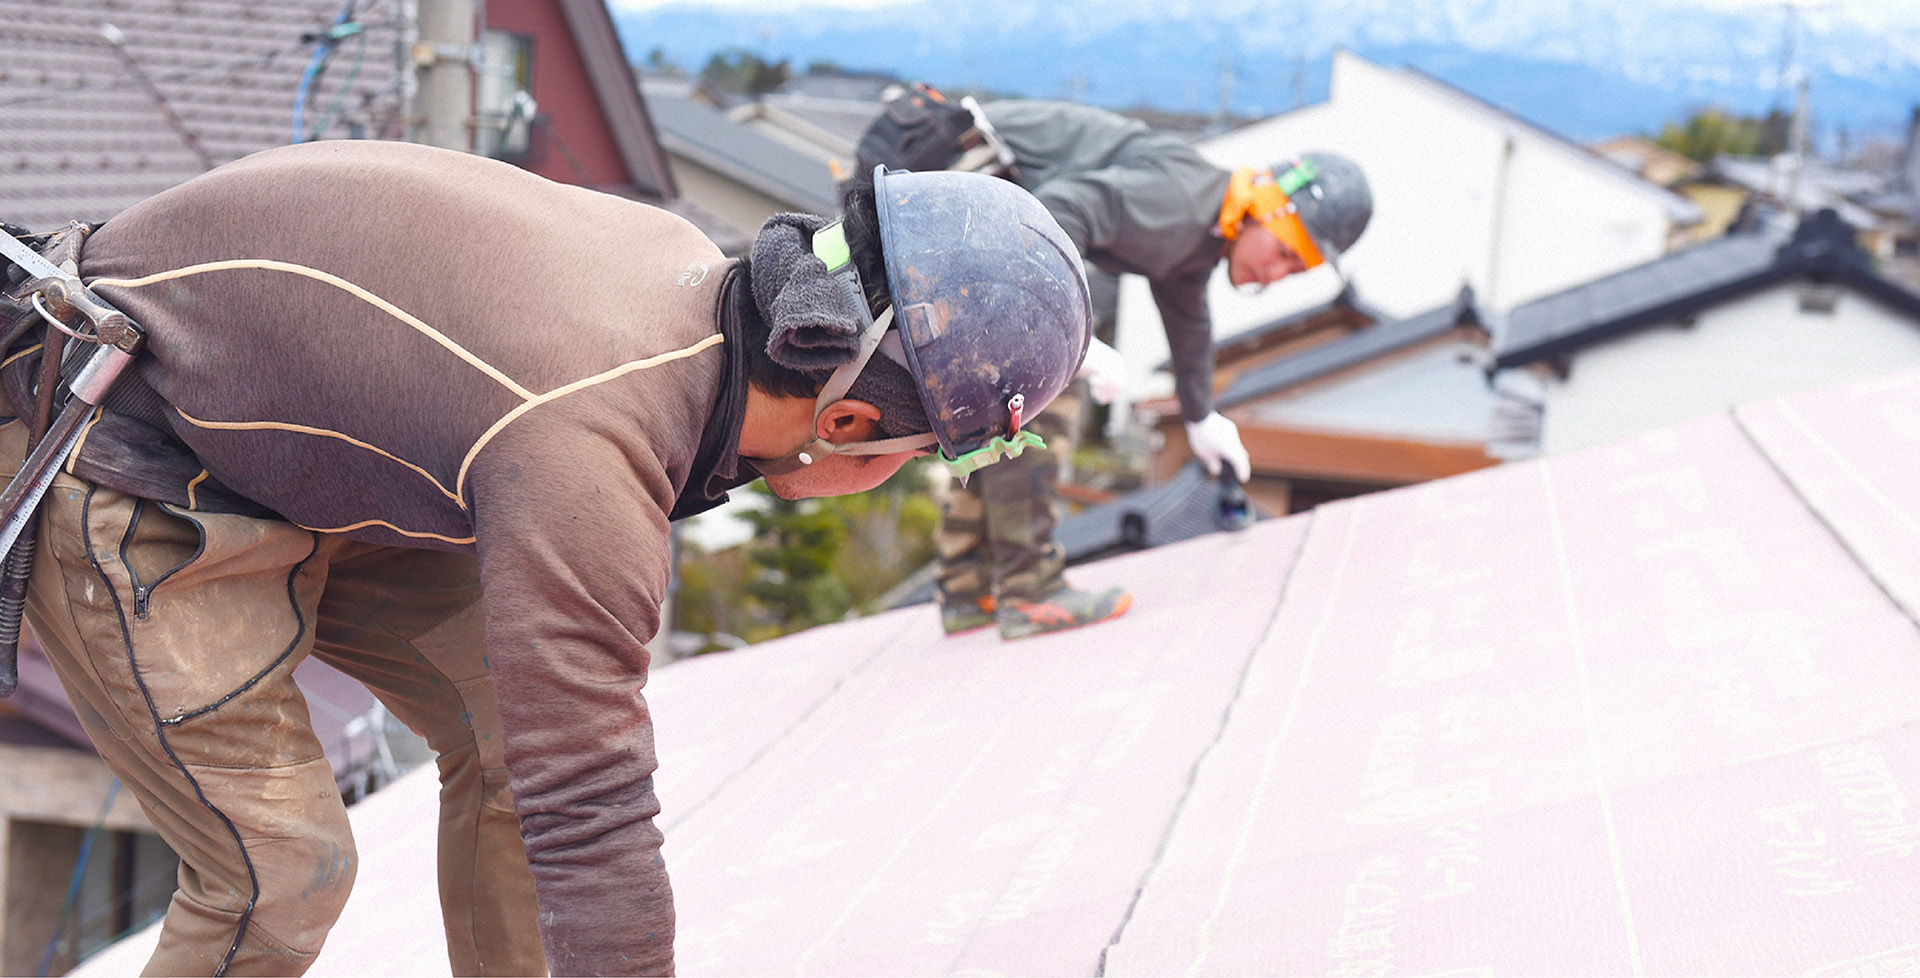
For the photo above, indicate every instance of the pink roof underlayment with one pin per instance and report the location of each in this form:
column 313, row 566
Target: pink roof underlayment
column 1648, row 708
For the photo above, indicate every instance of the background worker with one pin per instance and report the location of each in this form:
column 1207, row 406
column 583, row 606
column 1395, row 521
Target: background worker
column 369, row 364
column 1132, row 200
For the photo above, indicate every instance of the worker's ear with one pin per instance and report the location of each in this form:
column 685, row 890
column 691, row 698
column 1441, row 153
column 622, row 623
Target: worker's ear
column 847, row 420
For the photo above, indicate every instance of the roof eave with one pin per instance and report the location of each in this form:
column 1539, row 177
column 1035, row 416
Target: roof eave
column 1601, row 332
column 728, row 167
column 618, row 92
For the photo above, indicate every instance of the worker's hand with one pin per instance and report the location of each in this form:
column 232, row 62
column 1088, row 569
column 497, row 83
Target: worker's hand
column 1214, row 439
column 1105, row 371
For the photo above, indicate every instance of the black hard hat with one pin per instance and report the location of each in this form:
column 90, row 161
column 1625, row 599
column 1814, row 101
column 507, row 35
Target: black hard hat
column 990, row 300
column 1336, row 204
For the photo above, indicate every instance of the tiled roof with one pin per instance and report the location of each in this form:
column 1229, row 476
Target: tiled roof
column 1181, row 508
column 1646, row 708
column 1344, row 310
column 1688, row 280
column 705, row 135
column 1818, row 186
column 847, row 118
column 1357, row 347
column 82, row 136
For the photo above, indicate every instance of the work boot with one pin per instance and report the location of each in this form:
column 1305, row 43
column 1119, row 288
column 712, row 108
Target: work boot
column 1061, row 610
column 961, row 615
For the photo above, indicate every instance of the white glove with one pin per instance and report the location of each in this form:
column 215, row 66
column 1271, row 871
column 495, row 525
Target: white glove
column 1106, row 373
column 1215, row 439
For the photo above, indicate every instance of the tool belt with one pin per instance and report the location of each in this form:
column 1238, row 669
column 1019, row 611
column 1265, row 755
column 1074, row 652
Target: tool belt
column 19, row 317
column 131, row 446
column 63, row 354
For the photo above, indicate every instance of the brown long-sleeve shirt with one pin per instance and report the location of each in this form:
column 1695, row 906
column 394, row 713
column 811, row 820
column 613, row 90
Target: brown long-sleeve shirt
column 424, row 348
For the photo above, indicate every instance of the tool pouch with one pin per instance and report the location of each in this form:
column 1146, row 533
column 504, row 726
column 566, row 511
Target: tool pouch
column 18, row 320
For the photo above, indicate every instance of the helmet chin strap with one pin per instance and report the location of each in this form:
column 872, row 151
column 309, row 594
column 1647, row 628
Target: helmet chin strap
column 830, row 246
column 833, row 390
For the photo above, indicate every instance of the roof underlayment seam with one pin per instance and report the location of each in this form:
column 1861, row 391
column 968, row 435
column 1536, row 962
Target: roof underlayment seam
column 753, row 763
column 1793, row 485
column 1204, row 938
column 1200, row 760
column 1590, row 719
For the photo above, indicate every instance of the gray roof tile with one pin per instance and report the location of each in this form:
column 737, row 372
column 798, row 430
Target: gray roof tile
column 705, row 135
column 1181, row 508
column 1355, row 348
column 1662, row 283
column 1821, row 247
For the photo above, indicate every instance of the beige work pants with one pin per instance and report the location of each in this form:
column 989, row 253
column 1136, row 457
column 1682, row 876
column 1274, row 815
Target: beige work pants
column 176, row 635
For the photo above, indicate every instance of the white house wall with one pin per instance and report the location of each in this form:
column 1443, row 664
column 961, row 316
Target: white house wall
column 1750, row 349
column 733, row 201
column 1443, row 179
column 1570, row 219
column 1435, row 394
column 1452, row 203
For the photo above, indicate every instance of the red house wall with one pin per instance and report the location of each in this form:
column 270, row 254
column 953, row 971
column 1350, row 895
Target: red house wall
column 576, row 127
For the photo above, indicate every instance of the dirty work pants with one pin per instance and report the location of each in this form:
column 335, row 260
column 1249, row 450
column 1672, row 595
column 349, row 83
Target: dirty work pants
column 996, row 533
column 176, row 634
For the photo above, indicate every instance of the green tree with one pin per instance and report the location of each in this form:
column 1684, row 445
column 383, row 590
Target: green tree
column 658, row 63
column 811, row 561
column 1710, row 132
column 738, row 71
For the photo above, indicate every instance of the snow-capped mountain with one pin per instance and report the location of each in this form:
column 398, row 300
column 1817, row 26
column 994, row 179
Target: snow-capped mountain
column 1585, row 67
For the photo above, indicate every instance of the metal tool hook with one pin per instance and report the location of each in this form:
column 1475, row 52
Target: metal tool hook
column 53, row 321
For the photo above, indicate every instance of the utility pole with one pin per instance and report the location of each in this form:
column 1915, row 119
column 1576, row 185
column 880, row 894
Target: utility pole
column 1792, row 75
column 443, row 56
column 1223, row 113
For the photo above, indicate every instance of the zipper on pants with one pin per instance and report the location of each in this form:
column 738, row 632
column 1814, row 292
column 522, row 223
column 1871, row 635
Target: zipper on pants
column 142, row 592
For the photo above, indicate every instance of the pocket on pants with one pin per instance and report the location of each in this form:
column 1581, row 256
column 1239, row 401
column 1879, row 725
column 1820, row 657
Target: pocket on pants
column 181, row 609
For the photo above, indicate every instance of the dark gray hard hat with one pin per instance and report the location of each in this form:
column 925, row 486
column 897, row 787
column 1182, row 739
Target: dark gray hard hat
column 989, row 296
column 1335, row 205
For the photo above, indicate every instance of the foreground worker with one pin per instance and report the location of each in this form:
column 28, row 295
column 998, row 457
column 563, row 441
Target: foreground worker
column 1134, row 201
column 368, row 364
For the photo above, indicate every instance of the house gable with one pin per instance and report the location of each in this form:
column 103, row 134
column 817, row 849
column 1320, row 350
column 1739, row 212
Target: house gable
column 579, row 143
column 1465, row 191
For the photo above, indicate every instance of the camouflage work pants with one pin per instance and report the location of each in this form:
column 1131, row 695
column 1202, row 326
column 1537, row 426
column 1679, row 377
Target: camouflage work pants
column 176, row 634
column 996, row 533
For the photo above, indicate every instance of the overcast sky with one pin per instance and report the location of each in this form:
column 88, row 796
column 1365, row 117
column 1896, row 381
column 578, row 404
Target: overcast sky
column 1906, row 6
column 1897, row 9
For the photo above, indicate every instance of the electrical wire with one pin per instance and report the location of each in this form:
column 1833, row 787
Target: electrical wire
column 73, row 881
column 322, row 54
column 327, row 118
column 151, row 882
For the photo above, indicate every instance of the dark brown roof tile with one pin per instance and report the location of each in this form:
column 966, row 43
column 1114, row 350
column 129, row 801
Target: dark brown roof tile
column 81, row 137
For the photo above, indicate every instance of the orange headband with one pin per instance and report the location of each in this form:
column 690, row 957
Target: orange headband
column 1254, row 194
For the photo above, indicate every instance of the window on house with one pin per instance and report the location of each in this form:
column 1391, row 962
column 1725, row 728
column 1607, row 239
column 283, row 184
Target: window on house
column 102, row 884
column 503, row 97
